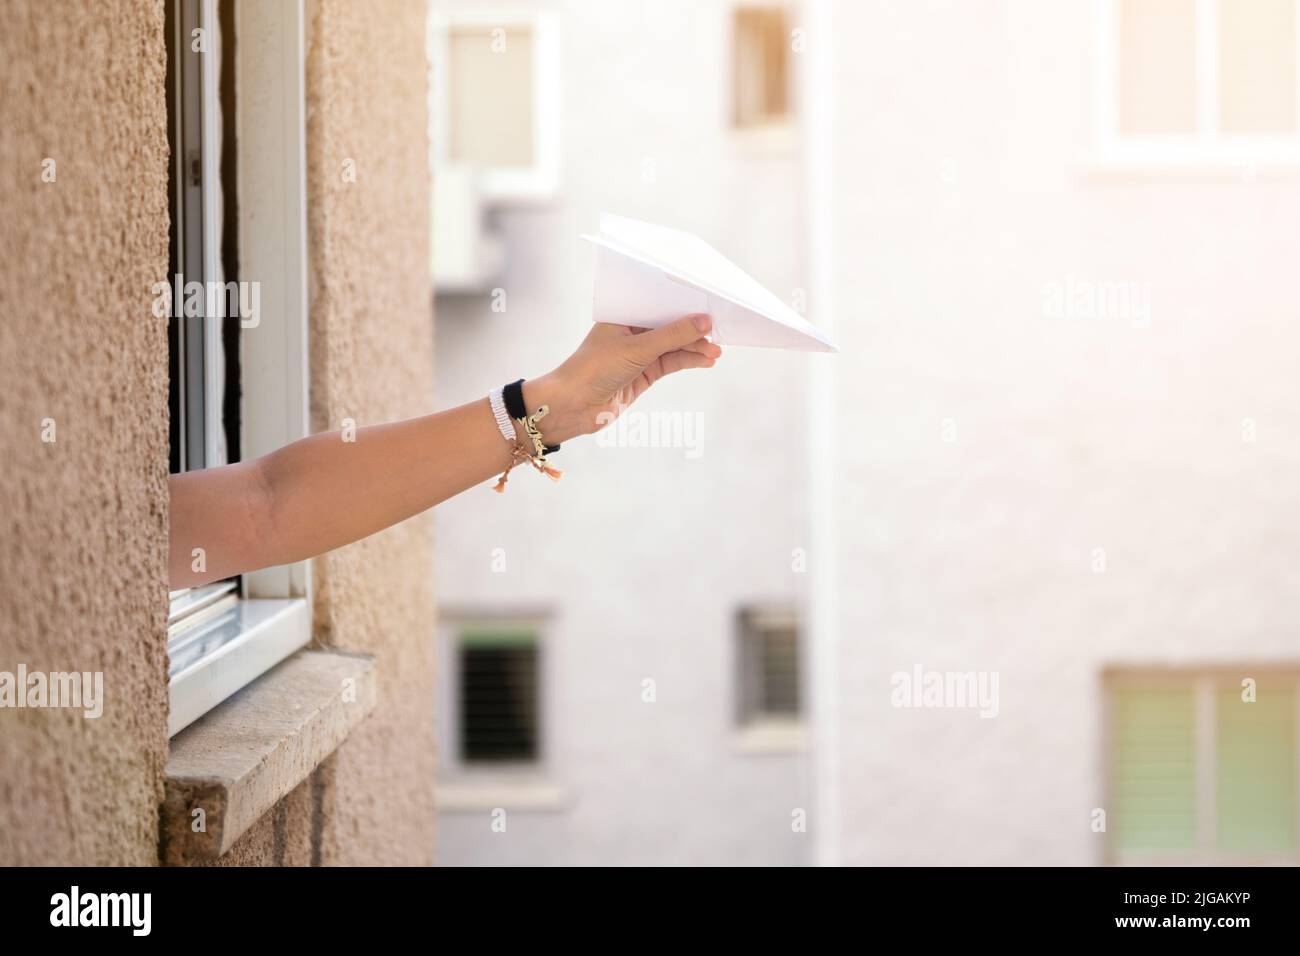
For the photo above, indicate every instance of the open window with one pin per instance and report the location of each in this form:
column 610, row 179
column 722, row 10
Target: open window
column 1197, row 82
column 236, row 297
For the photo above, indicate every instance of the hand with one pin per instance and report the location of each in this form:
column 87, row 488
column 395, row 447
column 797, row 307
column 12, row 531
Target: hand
column 610, row 370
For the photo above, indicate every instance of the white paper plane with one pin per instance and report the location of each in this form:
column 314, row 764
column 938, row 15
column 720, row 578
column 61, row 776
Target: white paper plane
column 648, row 276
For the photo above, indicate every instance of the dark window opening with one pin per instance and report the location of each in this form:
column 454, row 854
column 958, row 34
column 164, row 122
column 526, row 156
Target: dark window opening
column 499, row 697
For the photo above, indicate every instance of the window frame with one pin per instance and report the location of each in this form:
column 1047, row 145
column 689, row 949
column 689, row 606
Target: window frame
column 768, row 731
column 1204, row 683
column 768, row 124
column 504, row 185
column 1207, row 147
column 474, row 787
column 454, row 633
column 272, row 617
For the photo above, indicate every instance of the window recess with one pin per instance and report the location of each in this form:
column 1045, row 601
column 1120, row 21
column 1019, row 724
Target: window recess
column 237, row 379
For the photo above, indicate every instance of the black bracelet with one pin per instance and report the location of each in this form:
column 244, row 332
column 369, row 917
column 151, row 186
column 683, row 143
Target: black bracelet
column 515, row 407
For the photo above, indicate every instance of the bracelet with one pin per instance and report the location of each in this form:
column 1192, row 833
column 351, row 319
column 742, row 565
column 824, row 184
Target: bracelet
column 501, row 415
column 513, row 395
column 508, row 402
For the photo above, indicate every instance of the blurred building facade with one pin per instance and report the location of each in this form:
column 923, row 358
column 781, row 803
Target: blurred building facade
column 1030, row 525
column 660, row 580
column 1061, row 244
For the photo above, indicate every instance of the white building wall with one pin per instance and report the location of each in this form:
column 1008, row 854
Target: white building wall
column 962, row 191
column 641, row 556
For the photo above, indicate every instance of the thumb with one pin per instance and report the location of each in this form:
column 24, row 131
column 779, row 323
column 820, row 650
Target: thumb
column 675, row 335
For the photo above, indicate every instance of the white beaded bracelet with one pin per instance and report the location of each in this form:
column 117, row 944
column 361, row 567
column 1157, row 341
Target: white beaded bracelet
column 499, row 413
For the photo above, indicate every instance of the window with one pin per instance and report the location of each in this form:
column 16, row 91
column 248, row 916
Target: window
column 495, row 102
column 1203, row 769
column 236, row 297
column 494, row 696
column 498, row 675
column 769, row 693
column 761, row 92
column 1198, row 81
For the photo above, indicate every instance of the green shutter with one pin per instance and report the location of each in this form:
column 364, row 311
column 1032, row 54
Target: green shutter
column 1153, row 769
column 1256, row 772
column 473, row 637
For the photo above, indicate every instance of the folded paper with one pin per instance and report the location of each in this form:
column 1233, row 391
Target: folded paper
column 649, row 275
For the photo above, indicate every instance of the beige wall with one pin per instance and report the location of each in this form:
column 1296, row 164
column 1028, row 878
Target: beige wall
column 82, row 582
column 372, row 361
column 82, row 577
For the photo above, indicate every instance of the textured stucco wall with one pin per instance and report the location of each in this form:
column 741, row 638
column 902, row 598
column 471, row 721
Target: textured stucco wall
column 372, row 361
column 82, row 578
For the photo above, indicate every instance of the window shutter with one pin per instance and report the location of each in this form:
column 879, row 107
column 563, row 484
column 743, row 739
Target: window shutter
column 1154, row 769
column 1255, row 779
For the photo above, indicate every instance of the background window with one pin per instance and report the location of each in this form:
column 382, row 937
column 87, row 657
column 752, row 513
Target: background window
column 1154, row 769
column 1200, row 775
column 1255, row 771
column 769, row 667
column 1157, row 59
column 491, row 95
column 494, row 107
column 499, row 696
column 1201, row 79
column 1257, row 66
column 761, row 74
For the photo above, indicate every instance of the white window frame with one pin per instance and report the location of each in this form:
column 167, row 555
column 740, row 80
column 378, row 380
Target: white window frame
column 540, row 181
column 1204, row 684
column 274, row 617
column 1208, row 146
column 473, row 787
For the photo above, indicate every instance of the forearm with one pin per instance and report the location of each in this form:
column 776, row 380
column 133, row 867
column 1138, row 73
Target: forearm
column 321, row 492
column 325, row 492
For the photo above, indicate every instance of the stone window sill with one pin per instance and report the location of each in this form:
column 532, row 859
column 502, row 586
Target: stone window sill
column 237, row 761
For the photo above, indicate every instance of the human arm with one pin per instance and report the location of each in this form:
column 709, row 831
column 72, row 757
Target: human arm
column 320, row 493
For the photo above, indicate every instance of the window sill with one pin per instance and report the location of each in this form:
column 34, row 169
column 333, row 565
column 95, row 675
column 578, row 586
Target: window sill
column 1228, row 162
column 475, row 796
column 772, row 737
column 237, row 761
column 778, row 138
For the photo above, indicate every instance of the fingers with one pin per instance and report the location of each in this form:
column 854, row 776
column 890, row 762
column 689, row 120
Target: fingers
column 684, row 359
column 676, row 335
column 704, row 347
